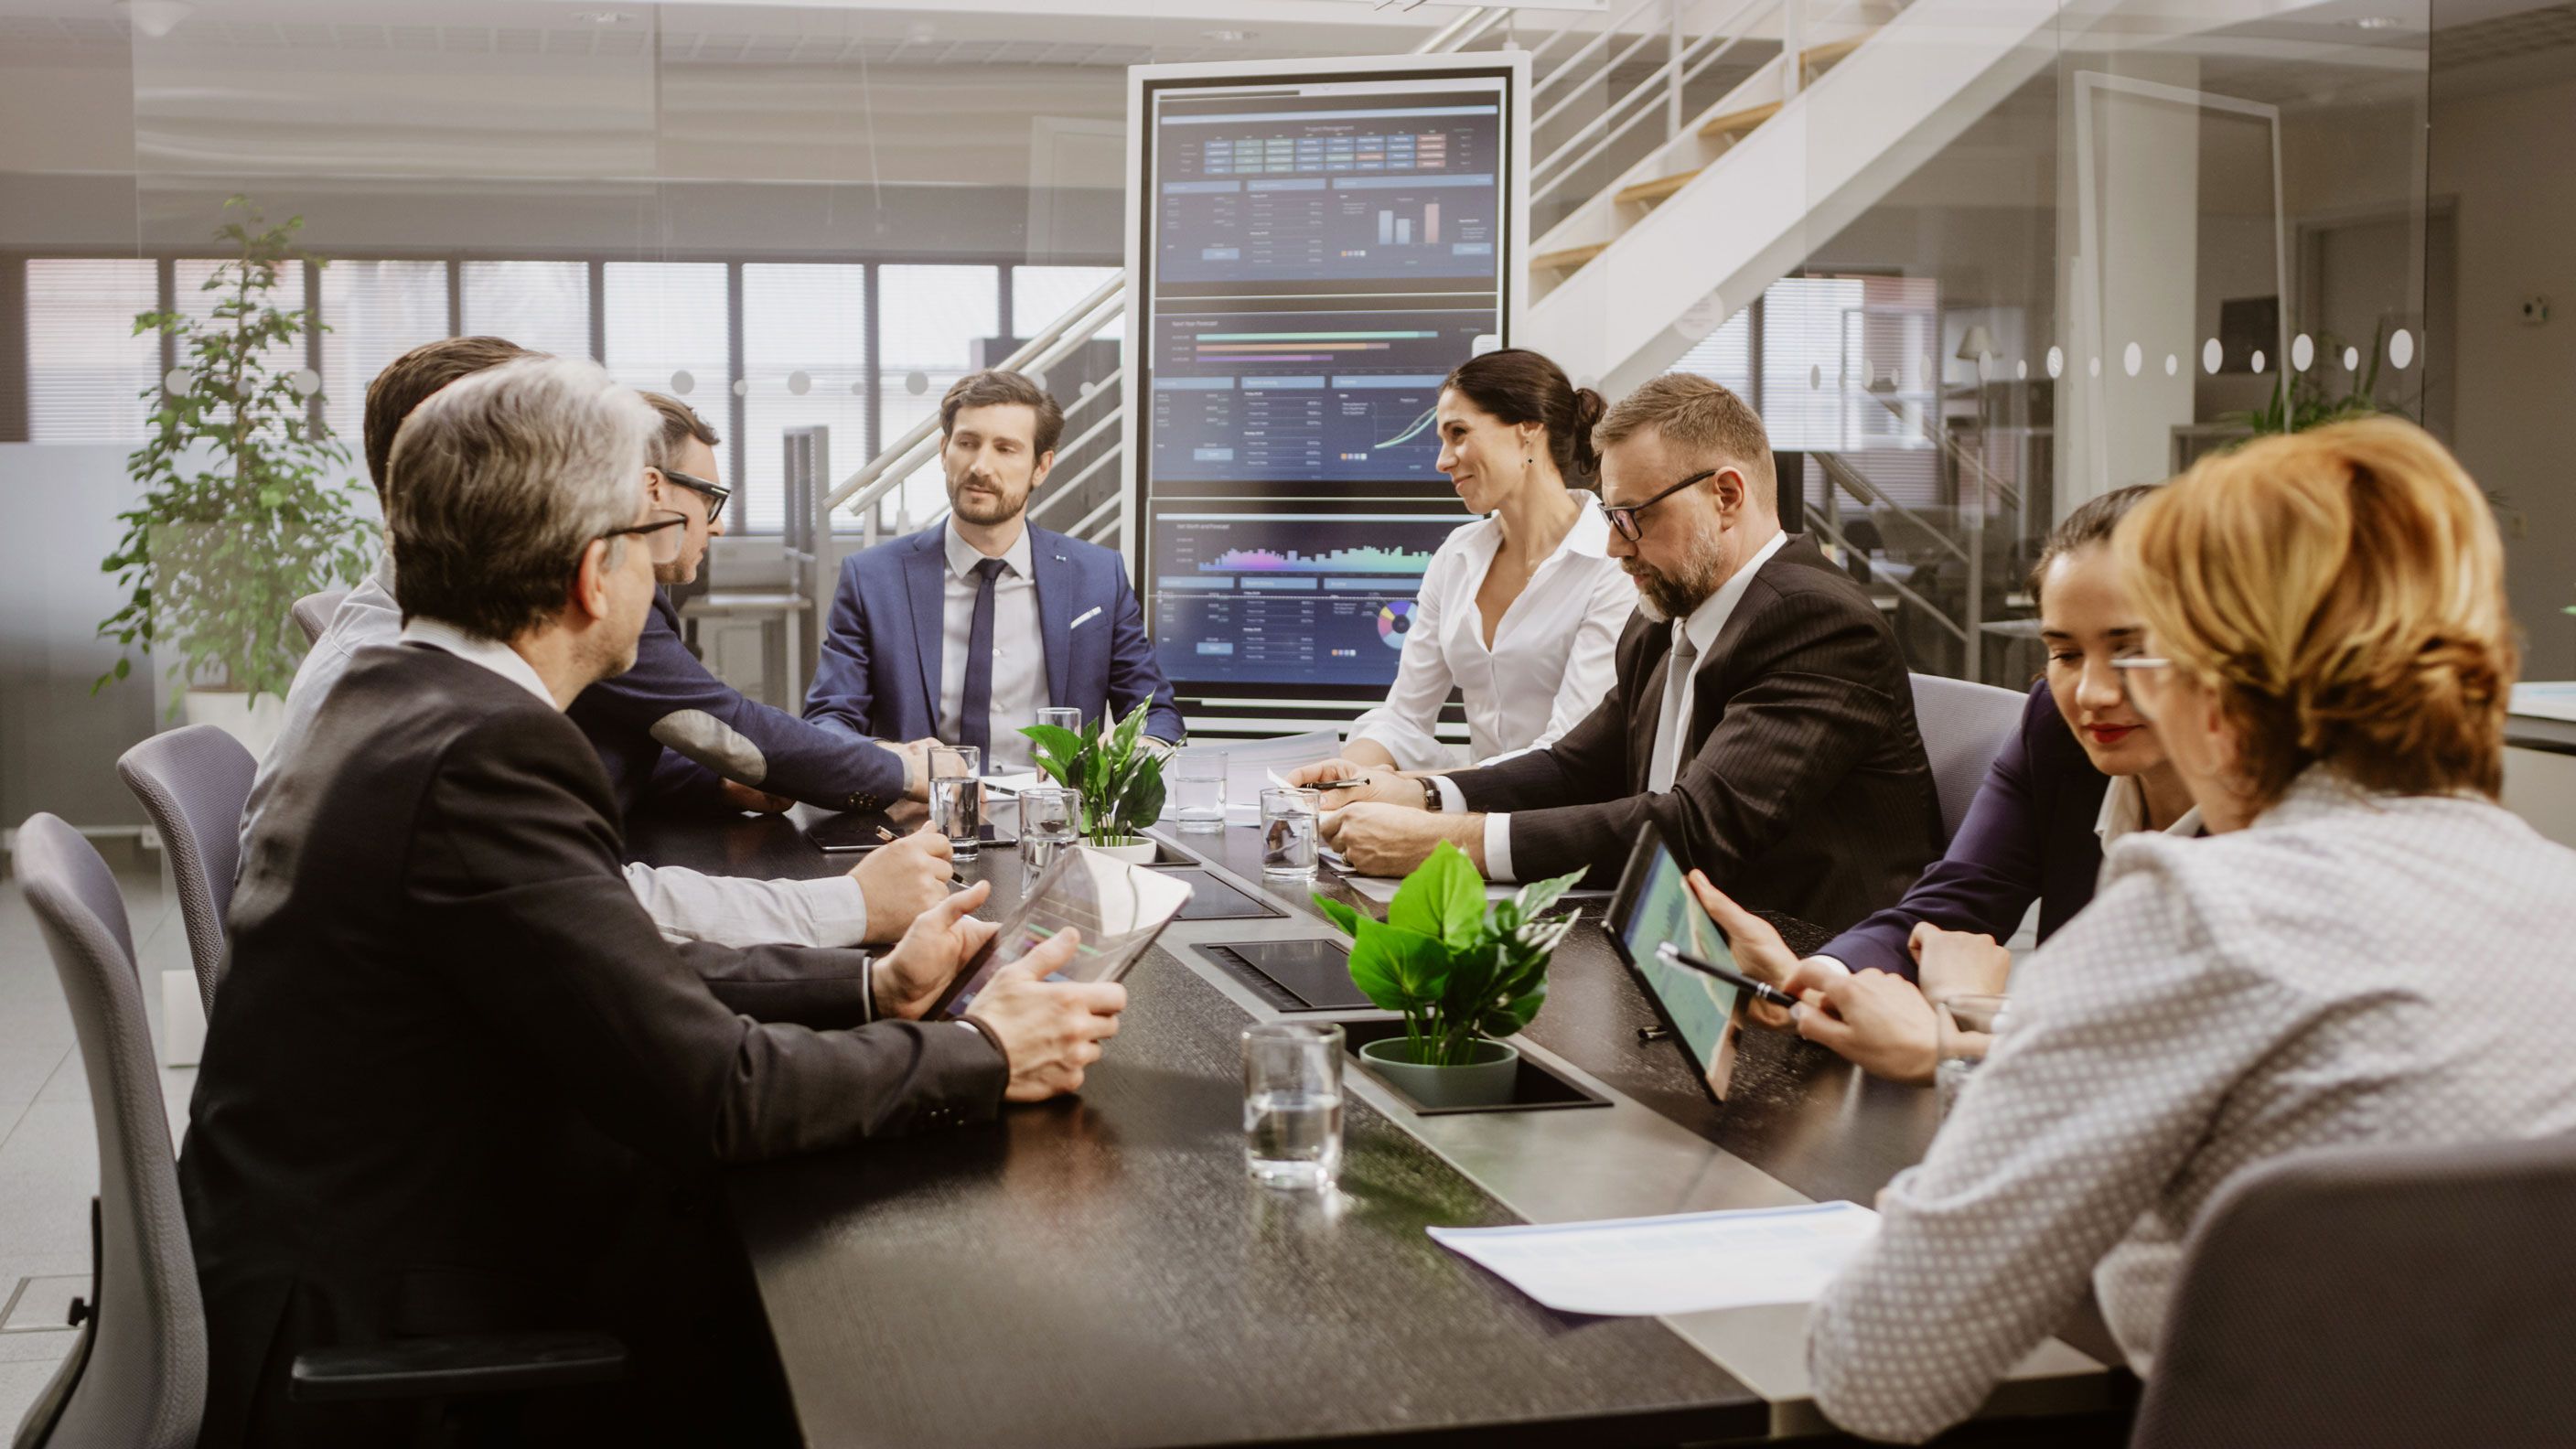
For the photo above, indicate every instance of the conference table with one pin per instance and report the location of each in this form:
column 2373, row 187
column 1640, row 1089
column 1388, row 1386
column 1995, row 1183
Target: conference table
column 1100, row 1270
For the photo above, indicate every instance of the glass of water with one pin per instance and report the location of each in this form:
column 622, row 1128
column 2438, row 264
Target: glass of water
column 1288, row 831
column 1292, row 1104
column 1198, row 789
column 1965, row 1028
column 957, row 797
column 1046, row 826
column 1062, row 717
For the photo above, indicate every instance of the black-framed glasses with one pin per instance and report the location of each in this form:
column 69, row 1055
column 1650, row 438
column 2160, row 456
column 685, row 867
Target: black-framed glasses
column 1624, row 517
column 2134, row 670
column 662, row 537
column 714, row 493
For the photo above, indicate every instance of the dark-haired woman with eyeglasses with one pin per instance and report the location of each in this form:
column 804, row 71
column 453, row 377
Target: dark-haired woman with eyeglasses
column 1520, row 610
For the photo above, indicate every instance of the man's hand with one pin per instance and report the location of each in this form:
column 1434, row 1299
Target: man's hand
column 1379, row 783
column 739, row 796
column 1390, row 840
column 1759, row 951
column 910, row 977
column 915, row 755
column 1957, row 963
column 902, row 880
column 1050, row 1031
column 1876, row 1020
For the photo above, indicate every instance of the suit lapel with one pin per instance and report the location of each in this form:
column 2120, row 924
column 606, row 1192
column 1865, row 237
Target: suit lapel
column 921, row 570
column 1059, row 588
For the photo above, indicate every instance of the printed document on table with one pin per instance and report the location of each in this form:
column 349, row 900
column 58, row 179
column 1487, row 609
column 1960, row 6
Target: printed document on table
column 2545, row 699
column 1686, row 1263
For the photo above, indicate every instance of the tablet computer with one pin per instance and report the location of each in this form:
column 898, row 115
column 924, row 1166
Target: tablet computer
column 1118, row 908
column 1653, row 904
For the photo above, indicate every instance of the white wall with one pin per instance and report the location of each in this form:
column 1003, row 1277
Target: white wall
column 2504, row 157
column 59, row 742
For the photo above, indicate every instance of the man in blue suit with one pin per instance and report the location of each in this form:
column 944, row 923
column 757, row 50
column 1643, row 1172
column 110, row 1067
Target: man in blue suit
column 961, row 633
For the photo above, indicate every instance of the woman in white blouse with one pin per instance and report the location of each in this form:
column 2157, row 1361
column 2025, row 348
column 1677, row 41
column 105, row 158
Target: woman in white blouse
column 2367, row 948
column 1520, row 610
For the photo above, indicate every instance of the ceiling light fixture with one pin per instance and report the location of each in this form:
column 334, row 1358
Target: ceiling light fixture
column 156, row 18
column 1228, row 36
column 2376, row 22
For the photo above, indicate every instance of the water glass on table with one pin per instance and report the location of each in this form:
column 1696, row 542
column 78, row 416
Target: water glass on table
column 957, row 797
column 1198, row 789
column 1046, row 826
column 1288, row 831
column 1965, row 1027
column 1292, row 1104
column 1062, row 717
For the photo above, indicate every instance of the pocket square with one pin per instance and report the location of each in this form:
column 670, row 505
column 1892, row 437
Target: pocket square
column 1082, row 618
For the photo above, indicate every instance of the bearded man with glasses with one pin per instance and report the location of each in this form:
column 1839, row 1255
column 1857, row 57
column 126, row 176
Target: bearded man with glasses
column 1761, row 716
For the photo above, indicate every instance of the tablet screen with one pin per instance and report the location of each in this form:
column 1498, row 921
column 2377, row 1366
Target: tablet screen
column 1655, row 905
column 1118, row 908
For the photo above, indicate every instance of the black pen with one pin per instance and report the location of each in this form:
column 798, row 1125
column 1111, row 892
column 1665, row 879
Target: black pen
column 1673, row 955
column 1332, row 785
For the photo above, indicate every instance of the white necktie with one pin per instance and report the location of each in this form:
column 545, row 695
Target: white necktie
column 1681, row 667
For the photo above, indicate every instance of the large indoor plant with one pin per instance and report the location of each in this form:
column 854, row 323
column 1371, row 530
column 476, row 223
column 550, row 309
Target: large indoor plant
column 1116, row 777
column 1465, row 973
column 248, row 503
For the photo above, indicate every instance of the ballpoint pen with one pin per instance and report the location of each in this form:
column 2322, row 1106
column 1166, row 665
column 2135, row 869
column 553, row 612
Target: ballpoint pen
column 1673, row 955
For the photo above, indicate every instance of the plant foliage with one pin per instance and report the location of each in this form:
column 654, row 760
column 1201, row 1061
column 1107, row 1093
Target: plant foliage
column 2303, row 401
column 1458, row 968
column 1115, row 776
column 247, row 505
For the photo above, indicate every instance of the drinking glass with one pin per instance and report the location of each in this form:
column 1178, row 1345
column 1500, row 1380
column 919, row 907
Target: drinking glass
column 1062, row 717
column 1198, row 789
column 957, row 797
column 1288, row 831
column 1046, row 826
column 1965, row 1027
column 1292, row 1104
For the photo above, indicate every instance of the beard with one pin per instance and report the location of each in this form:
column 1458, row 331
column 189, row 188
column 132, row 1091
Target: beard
column 1664, row 597
column 980, row 508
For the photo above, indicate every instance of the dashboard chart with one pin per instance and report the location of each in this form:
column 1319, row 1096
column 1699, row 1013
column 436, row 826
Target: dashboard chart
column 1301, row 396
column 1258, row 596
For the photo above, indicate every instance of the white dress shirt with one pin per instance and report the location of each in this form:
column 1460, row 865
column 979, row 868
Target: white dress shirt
column 2124, row 812
column 1019, row 650
column 2221, row 1003
column 1701, row 626
column 685, row 906
column 1552, row 658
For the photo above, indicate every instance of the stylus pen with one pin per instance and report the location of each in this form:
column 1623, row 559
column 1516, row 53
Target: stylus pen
column 1331, row 785
column 1674, row 955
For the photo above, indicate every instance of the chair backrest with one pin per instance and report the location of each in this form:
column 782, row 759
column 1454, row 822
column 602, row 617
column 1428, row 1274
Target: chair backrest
column 2382, row 1296
column 142, row 1381
column 313, row 612
column 194, row 782
column 1964, row 726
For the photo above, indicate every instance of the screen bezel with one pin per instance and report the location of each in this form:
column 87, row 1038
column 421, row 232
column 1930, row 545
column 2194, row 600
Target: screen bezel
column 1714, row 1077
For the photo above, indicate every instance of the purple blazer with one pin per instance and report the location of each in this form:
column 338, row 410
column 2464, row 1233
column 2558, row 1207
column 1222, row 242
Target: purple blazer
column 2028, row 836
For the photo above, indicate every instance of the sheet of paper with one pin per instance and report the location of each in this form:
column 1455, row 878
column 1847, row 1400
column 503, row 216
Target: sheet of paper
column 2546, row 699
column 1382, row 890
column 1626, row 1267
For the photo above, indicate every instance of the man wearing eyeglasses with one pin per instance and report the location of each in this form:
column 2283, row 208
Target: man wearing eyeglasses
column 1761, row 716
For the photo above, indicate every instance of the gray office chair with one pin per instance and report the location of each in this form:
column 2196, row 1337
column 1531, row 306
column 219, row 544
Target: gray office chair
column 1964, row 726
column 193, row 782
column 313, row 612
column 2376, row 1298
column 137, row 1374
column 136, row 1377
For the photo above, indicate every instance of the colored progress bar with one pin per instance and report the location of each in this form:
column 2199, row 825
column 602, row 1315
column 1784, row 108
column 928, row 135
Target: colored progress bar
column 1315, row 337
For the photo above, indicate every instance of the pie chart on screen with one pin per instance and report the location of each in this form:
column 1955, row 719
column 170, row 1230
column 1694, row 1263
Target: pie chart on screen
column 1394, row 622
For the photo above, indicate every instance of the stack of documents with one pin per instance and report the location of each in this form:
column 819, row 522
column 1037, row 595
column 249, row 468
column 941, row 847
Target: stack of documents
column 1688, row 1263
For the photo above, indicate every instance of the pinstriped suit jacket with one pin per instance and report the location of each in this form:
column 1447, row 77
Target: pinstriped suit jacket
column 1804, row 787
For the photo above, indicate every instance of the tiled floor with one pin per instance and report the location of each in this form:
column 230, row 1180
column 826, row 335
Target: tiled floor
column 48, row 1147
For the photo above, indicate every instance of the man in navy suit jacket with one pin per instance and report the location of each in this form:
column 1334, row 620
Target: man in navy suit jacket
column 960, row 633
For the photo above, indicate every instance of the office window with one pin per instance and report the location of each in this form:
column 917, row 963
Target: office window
column 1039, row 295
column 1726, row 356
column 544, row 306
column 666, row 333
column 376, row 312
column 933, row 316
column 86, row 369
column 804, row 363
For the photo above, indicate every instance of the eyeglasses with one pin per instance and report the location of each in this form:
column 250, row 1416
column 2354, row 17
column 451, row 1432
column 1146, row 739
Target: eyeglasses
column 714, row 493
column 660, row 539
column 2133, row 671
column 1624, row 518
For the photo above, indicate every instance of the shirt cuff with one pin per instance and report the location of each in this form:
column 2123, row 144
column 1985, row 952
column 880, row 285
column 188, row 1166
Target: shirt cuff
column 1835, row 962
column 836, row 908
column 1452, row 799
column 1498, row 848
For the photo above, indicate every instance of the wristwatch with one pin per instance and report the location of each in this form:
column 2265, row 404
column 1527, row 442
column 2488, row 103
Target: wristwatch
column 1430, row 793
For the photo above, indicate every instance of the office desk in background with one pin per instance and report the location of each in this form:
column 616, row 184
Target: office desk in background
column 1100, row 1272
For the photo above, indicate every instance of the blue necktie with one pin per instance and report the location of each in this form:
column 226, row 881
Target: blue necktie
column 975, row 706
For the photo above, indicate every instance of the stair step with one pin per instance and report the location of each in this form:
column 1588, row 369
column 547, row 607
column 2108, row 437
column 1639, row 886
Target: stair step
column 1737, row 122
column 1570, row 258
column 1649, row 192
column 1816, row 57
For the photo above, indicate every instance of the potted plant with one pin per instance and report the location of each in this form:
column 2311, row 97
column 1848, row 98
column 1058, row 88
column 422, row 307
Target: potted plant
column 1465, row 973
column 247, row 503
column 1115, row 776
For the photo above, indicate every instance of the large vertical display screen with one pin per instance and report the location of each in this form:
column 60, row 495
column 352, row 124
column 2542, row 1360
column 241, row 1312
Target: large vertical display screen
column 1316, row 254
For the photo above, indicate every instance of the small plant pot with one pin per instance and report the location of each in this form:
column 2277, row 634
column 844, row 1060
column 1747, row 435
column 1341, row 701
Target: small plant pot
column 1486, row 1081
column 1133, row 849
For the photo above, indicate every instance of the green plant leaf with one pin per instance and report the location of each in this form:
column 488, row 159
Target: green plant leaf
column 1396, row 969
column 1443, row 897
column 1537, row 896
column 1339, row 914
